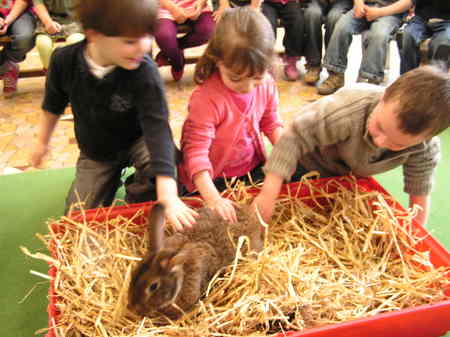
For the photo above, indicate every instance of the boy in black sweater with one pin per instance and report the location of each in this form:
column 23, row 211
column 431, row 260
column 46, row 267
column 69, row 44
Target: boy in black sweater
column 119, row 107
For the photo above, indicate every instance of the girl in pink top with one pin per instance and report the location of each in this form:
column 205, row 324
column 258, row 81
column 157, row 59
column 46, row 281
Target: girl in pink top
column 195, row 13
column 236, row 101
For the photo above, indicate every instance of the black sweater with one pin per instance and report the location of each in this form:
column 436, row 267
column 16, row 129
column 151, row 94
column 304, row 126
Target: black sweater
column 429, row 9
column 110, row 114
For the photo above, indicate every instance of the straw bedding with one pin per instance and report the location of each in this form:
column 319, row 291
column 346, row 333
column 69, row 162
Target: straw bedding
column 342, row 257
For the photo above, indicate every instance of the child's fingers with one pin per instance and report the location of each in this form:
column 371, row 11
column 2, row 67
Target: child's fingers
column 227, row 211
column 233, row 215
column 188, row 217
column 175, row 223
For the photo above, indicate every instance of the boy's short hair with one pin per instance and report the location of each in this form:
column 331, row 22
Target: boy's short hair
column 423, row 100
column 131, row 18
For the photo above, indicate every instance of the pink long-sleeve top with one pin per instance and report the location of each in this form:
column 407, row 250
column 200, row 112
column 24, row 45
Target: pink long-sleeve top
column 223, row 130
column 188, row 5
column 7, row 5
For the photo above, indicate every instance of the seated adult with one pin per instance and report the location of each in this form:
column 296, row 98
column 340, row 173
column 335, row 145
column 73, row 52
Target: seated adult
column 381, row 19
column 431, row 20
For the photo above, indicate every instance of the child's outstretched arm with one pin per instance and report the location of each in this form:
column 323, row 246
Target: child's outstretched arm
column 51, row 27
column 264, row 202
column 223, row 206
column 276, row 135
column 46, row 127
column 177, row 212
column 424, row 202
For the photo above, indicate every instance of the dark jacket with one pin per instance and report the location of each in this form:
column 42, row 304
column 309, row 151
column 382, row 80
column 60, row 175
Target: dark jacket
column 429, row 9
column 110, row 114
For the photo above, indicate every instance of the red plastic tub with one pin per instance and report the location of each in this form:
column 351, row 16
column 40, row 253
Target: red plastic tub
column 422, row 321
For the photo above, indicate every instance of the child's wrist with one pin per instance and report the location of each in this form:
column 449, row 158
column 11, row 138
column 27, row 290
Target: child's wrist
column 48, row 23
column 211, row 202
column 7, row 21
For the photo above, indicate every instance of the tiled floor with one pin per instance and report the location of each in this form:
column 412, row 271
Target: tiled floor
column 19, row 116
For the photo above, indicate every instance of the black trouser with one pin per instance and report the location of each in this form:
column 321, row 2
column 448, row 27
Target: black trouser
column 291, row 15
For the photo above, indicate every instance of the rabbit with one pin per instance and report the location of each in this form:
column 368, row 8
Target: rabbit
column 177, row 269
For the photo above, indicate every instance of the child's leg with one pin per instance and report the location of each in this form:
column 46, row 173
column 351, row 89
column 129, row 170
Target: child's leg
column 141, row 186
column 414, row 33
column 22, row 34
column 166, row 38
column 375, row 47
column 44, row 45
column 337, row 50
column 95, row 183
column 202, row 30
column 313, row 31
column 440, row 41
column 270, row 11
column 335, row 59
column 293, row 22
column 339, row 8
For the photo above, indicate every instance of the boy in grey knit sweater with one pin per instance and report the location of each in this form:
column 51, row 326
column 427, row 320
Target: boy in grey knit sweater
column 366, row 130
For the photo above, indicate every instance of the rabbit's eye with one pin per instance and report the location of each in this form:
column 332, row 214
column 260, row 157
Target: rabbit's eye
column 154, row 286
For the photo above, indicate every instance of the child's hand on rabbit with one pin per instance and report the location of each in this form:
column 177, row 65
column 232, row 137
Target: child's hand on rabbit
column 179, row 214
column 224, row 207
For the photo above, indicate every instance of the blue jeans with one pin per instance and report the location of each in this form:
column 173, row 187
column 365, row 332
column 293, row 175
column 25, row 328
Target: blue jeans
column 291, row 16
column 21, row 32
column 414, row 33
column 316, row 14
column 374, row 45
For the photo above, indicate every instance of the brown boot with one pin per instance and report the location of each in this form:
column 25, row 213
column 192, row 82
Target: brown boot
column 312, row 75
column 334, row 82
column 368, row 80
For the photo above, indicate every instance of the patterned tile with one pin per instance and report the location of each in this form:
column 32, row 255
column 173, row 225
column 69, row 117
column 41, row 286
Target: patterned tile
column 20, row 115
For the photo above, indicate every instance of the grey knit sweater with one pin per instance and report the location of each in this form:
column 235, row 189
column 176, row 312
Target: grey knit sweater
column 331, row 136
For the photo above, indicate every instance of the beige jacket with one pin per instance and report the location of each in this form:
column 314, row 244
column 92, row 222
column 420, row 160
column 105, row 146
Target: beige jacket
column 331, row 136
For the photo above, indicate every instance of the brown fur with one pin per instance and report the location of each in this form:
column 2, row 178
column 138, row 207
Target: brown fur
column 188, row 259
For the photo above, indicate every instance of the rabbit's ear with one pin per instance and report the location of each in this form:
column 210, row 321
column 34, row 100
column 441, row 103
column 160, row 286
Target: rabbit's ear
column 178, row 260
column 171, row 261
column 156, row 224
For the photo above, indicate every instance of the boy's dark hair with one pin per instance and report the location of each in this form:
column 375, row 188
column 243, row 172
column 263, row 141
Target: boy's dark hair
column 243, row 40
column 423, row 100
column 131, row 18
